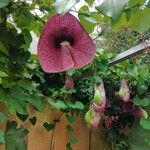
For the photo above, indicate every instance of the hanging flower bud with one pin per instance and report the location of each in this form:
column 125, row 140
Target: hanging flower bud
column 97, row 96
column 64, row 44
column 99, row 103
column 138, row 112
column 124, row 93
column 92, row 119
column 108, row 122
column 69, row 83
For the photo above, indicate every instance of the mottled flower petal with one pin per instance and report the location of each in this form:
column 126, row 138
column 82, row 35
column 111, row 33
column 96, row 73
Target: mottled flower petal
column 77, row 51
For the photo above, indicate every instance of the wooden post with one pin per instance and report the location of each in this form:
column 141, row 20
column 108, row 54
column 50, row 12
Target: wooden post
column 130, row 53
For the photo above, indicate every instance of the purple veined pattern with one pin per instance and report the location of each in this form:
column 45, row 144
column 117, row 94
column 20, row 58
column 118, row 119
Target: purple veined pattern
column 64, row 44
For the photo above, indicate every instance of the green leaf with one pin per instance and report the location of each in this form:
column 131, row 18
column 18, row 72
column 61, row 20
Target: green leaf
column 1, row 137
column 12, row 38
column 146, row 69
column 3, row 74
column 73, row 140
column 138, row 137
column 27, row 38
column 26, row 85
column 140, row 20
column 63, row 6
column 33, row 57
column 122, row 21
column 145, row 123
column 48, row 126
column 4, row 3
column 33, row 120
column 133, row 3
column 78, row 105
column 70, row 118
column 31, row 66
column 37, row 101
column 58, row 104
column 68, row 146
column 147, row 3
column 22, row 117
column 89, row 20
column 71, row 72
column 15, row 100
column 141, row 102
column 112, row 8
column 41, row 76
column 3, row 117
column 24, row 18
column 69, row 128
column 19, row 55
column 142, row 88
column 15, row 137
column 90, row 2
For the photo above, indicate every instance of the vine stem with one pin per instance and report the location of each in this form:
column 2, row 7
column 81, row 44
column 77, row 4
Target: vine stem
column 90, row 135
column 53, row 134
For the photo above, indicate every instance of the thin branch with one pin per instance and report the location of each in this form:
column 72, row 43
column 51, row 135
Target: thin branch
column 53, row 135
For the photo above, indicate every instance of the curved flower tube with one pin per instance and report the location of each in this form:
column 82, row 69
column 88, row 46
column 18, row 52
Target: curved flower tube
column 64, row 44
column 138, row 112
column 100, row 100
column 124, row 93
column 92, row 118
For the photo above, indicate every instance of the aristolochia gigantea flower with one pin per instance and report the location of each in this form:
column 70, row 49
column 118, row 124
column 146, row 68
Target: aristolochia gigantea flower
column 99, row 103
column 64, row 44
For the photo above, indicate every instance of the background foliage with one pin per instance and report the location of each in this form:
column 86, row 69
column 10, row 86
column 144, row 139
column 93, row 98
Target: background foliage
column 114, row 25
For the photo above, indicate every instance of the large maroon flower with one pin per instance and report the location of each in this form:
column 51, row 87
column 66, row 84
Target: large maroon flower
column 64, row 44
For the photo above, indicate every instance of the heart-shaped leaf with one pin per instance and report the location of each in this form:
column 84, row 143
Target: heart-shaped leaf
column 140, row 20
column 112, row 8
column 48, row 126
column 14, row 137
column 63, row 6
column 4, row 3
